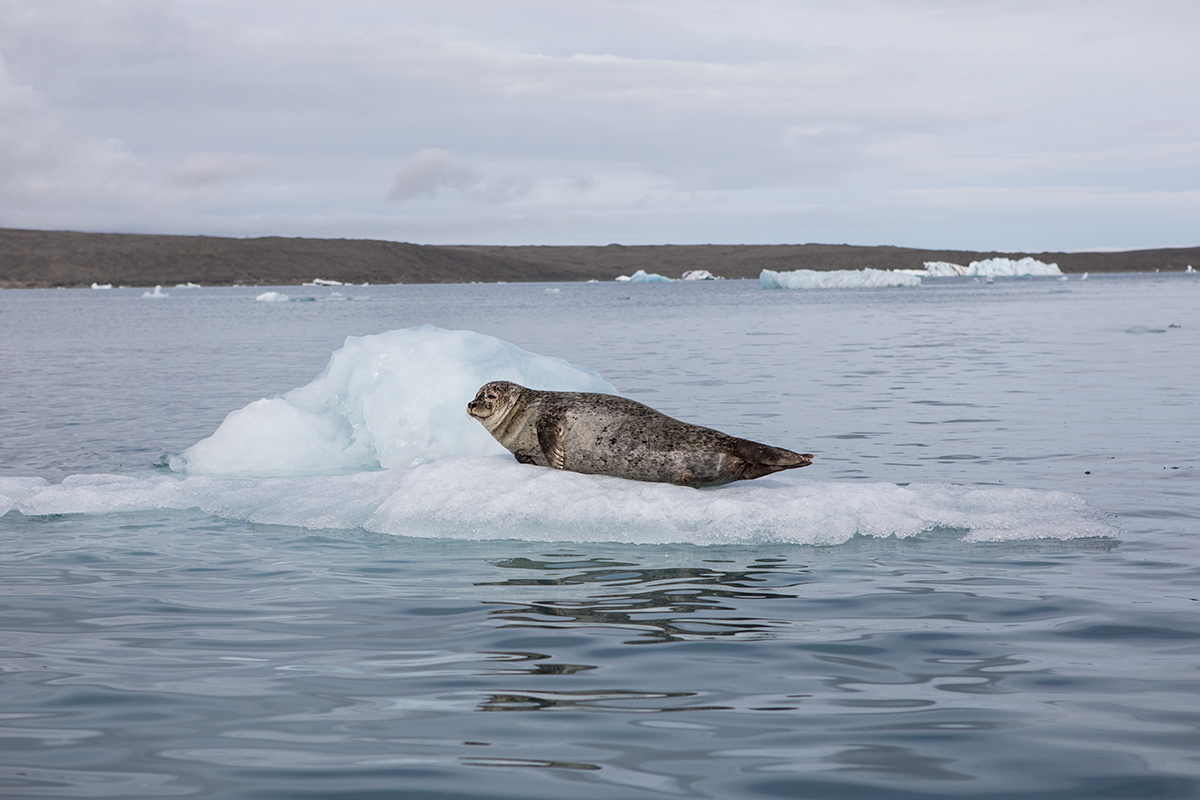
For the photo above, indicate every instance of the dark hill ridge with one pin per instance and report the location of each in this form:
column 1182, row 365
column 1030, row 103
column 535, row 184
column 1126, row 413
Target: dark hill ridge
column 30, row 259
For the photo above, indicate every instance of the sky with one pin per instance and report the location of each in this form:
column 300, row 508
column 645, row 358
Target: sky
column 947, row 124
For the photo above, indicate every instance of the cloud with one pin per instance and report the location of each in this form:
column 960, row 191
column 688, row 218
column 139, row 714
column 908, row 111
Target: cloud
column 212, row 169
column 431, row 171
column 793, row 119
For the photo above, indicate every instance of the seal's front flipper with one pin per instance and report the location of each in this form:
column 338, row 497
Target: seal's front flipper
column 550, row 432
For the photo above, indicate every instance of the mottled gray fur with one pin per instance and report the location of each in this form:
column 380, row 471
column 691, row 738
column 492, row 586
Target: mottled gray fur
column 602, row 434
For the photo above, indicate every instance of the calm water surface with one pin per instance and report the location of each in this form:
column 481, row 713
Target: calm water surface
column 174, row 653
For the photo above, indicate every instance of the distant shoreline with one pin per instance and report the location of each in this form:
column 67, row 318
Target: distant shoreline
column 49, row 259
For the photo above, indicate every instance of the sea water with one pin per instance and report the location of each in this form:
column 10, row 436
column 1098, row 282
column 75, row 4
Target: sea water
column 987, row 584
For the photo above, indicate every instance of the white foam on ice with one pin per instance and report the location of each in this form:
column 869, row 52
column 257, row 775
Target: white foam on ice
column 392, row 400
column 836, row 279
column 992, row 267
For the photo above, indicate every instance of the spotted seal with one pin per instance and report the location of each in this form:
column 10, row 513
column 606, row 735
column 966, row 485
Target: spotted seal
column 602, row 434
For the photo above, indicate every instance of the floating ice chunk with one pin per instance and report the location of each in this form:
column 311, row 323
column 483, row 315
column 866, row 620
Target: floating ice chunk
column 497, row 498
column 1190, row 268
column 158, row 292
column 641, row 276
column 272, row 297
column 1001, row 267
column 698, row 275
column 836, row 279
column 188, row 285
column 393, row 400
column 324, row 282
column 101, row 285
column 993, row 267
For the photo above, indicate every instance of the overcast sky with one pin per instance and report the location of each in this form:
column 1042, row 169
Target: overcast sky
column 977, row 124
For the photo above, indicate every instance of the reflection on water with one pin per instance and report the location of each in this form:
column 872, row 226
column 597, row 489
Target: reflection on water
column 661, row 603
column 614, row 701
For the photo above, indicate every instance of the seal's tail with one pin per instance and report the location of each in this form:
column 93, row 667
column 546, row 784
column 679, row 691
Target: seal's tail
column 762, row 459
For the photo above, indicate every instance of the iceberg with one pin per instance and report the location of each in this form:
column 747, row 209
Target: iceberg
column 836, row 279
column 157, row 293
column 391, row 400
column 101, row 285
column 698, row 275
column 641, row 276
column 992, row 267
column 272, row 297
column 381, row 441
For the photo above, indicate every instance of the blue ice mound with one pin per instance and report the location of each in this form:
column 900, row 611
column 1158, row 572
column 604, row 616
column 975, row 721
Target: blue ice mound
column 392, row 400
column 641, row 276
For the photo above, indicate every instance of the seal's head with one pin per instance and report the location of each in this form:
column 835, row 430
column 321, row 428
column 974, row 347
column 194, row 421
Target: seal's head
column 493, row 401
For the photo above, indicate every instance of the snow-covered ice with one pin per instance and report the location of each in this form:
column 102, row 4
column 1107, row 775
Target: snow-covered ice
column 992, row 267
column 836, row 279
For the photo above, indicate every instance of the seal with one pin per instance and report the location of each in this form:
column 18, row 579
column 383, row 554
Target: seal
column 602, row 434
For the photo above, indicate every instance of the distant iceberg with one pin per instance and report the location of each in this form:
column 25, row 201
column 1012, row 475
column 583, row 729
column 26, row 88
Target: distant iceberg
column 158, row 292
column 641, row 276
column 836, row 279
column 272, row 297
column 698, row 275
column 992, row 267
column 324, row 282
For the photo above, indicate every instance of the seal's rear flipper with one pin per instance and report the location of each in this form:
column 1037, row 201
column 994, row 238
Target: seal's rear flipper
column 762, row 459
